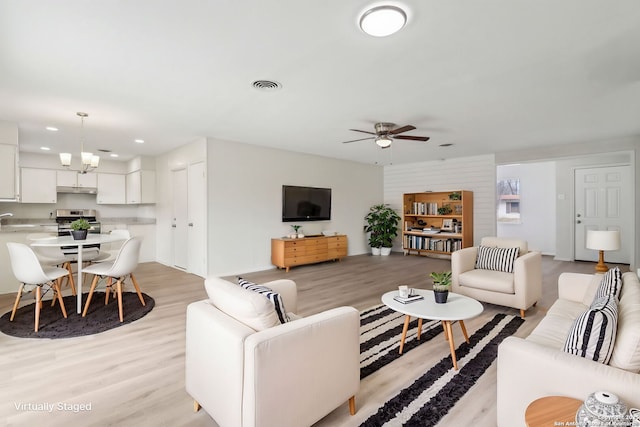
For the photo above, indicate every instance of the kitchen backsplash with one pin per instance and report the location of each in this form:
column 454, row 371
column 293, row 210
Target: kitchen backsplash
column 76, row 201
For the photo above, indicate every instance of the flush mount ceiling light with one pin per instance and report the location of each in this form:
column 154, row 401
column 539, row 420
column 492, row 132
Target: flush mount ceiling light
column 89, row 162
column 382, row 21
column 383, row 141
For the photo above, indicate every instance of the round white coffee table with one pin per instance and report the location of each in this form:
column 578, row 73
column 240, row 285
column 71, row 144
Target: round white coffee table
column 457, row 308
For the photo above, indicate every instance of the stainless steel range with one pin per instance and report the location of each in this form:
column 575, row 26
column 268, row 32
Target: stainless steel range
column 64, row 218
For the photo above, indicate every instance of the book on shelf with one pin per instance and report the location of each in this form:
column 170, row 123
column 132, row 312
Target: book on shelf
column 407, row 300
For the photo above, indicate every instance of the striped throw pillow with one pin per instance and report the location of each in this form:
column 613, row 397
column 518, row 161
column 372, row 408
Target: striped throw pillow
column 593, row 333
column 272, row 296
column 497, row 259
column 610, row 285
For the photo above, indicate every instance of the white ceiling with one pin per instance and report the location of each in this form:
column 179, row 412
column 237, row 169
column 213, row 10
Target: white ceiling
column 486, row 76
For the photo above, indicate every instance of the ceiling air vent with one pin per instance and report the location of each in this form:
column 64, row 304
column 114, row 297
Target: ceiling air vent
column 266, row 85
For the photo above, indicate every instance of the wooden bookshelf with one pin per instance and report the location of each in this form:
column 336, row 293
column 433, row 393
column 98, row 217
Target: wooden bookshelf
column 434, row 223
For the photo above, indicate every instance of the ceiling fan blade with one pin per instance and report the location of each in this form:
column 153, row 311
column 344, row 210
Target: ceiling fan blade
column 364, row 131
column 412, row 138
column 356, row 140
column 402, row 129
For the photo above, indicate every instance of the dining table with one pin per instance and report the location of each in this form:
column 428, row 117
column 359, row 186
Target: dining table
column 91, row 239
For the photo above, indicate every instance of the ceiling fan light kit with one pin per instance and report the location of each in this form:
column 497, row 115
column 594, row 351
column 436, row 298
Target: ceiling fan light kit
column 382, row 21
column 383, row 141
column 385, row 133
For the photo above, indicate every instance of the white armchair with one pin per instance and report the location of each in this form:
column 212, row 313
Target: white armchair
column 288, row 375
column 520, row 289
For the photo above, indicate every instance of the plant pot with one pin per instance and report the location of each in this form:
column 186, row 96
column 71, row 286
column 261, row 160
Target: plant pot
column 441, row 296
column 79, row 234
column 375, row 251
column 385, row 251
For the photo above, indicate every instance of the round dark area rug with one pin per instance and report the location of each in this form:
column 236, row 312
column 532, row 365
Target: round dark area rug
column 99, row 318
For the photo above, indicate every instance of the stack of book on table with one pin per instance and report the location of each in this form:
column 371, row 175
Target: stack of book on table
column 407, row 300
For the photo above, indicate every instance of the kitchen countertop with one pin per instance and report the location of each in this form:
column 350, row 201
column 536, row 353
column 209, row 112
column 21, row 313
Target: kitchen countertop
column 44, row 225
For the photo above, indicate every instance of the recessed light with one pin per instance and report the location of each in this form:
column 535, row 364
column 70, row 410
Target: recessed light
column 45, row 148
column 382, row 21
column 113, row 155
column 139, row 141
column 52, row 129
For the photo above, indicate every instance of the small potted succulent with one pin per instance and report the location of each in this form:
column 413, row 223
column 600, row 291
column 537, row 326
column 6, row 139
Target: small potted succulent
column 441, row 285
column 79, row 229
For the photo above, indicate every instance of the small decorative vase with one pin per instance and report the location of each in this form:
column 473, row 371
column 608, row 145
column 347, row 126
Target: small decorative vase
column 441, row 296
column 300, row 235
column 79, row 234
column 602, row 408
column 375, row 251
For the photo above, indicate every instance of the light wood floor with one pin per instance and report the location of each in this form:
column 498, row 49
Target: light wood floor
column 134, row 375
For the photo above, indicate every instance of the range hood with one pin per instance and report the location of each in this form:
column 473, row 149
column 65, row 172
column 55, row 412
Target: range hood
column 77, row 190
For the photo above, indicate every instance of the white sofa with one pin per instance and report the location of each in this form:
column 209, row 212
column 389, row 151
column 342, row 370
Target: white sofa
column 287, row 375
column 520, row 289
column 537, row 366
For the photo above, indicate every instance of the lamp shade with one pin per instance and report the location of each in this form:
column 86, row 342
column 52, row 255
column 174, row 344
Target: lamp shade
column 383, row 141
column 603, row 240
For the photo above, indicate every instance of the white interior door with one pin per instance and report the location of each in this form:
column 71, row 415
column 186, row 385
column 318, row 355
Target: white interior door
column 180, row 218
column 197, row 251
column 603, row 201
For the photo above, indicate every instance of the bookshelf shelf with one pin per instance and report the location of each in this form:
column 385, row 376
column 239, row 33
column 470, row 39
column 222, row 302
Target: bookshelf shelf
column 436, row 224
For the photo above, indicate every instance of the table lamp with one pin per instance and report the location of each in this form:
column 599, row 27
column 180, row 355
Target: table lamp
column 603, row 240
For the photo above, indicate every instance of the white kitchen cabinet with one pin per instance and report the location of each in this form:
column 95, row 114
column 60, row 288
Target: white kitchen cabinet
column 111, row 189
column 75, row 179
column 38, row 185
column 8, row 169
column 141, row 187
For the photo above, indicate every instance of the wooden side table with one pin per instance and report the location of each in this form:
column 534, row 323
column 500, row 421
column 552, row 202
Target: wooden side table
column 552, row 411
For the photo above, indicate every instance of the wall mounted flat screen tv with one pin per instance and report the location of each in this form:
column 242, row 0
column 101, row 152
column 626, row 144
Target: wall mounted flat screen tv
column 305, row 203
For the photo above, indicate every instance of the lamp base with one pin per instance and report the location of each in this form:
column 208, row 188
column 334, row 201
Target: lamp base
column 601, row 267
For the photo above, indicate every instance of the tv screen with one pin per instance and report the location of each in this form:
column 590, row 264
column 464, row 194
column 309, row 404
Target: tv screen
column 305, row 203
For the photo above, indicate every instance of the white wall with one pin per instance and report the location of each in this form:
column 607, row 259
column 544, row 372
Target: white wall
column 245, row 201
column 477, row 174
column 537, row 205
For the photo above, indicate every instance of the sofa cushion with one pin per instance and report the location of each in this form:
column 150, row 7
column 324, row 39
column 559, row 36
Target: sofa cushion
column 626, row 353
column 247, row 307
column 593, row 333
column 610, row 285
column 495, row 281
column 496, row 259
column 270, row 294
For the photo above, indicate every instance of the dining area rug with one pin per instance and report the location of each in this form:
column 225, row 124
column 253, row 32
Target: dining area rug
column 53, row 325
column 436, row 390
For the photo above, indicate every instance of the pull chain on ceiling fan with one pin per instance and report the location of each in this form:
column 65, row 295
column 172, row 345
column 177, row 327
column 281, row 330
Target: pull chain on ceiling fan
column 385, row 134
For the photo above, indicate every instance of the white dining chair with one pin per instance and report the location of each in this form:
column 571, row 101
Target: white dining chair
column 109, row 251
column 53, row 256
column 29, row 272
column 122, row 267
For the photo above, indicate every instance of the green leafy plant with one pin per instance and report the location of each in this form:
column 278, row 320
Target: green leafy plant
column 296, row 228
column 456, row 195
column 445, row 210
column 80, row 224
column 382, row 223
column 441, row 281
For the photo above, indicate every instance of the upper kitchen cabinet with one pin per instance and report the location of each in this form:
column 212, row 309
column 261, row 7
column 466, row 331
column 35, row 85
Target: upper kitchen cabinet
column 76, row 179
column 8, row 161
column 38, row 185
column 141, row 187
column 111, row 189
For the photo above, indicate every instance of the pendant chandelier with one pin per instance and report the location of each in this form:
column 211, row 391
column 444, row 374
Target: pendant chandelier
column 88, row 161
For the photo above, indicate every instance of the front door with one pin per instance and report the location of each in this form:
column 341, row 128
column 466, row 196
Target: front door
column 603, row 201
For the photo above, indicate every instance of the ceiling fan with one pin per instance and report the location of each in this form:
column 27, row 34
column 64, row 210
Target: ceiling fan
column 385, row 134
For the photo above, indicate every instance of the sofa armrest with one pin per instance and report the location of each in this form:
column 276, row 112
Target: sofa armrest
column 576, row 286
column 298, row 372
column 527, row 276
column 461, row 261
column 528, row 371
column 288, row 291
column 213, row 361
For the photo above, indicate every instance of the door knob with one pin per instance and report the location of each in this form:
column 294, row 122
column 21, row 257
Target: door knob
column 578, row 222
column 173, row 225
column 190, row 224
column 578, row 215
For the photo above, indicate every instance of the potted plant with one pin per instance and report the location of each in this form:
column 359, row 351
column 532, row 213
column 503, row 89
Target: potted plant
column 441, row 285
column 80, row 228
column 296, row 233
column 382, row 224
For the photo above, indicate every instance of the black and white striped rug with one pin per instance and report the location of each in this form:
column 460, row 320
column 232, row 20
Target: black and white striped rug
column 436, row 391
